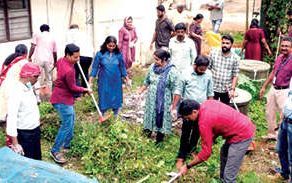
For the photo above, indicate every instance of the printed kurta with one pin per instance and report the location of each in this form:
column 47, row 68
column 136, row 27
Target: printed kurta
column 151, row 81
column 110, row 70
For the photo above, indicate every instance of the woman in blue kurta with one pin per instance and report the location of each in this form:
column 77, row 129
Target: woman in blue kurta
column 109, row 66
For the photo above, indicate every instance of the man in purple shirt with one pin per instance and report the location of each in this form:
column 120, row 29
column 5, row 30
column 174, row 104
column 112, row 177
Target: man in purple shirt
column 280, row 79
column 63, row 100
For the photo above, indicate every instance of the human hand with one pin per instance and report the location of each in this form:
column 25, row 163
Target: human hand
column 173, row 112
column 183, row 170
column 231, row 93
column 17, row 148
column 132, row 44
column 179, row 163
column 88, row 90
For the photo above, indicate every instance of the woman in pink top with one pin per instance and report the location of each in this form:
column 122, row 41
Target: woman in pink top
column 127, row 39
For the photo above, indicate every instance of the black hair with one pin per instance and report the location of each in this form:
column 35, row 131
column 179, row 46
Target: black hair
column 20, row 50
column 109, row 39
column 228, row 37
column 73, row 26
column 187, row 106
column 160, row 8
column 289, row 12
column 70, row 49
column 130, row 18
column 287, row 38
column 254, row 23
column 44, row 27
column 202, row 61
column 162, row 54
column 180, row 26
column 198, row 16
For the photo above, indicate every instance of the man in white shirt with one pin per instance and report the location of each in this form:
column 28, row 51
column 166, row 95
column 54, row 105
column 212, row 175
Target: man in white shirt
column 182, row 50
column 216, row 13
column 79, row 38
column 23, row 119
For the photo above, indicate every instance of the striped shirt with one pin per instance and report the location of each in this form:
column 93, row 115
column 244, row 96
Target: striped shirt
column 224, row 69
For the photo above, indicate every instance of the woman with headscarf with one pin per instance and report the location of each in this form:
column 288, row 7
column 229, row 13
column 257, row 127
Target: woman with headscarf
column 23, row 119
column 253, row 40
column 9, row 74
column 109, row 66
column 127, row 40
column 160, row 81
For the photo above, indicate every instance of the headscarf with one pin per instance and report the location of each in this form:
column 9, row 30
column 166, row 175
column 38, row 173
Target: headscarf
column 125, row 23
column 29, row 70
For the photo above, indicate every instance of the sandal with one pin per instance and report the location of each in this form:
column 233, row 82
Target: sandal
column 58, row 157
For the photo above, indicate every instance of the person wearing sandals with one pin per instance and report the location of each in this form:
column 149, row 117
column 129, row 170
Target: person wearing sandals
column 63, row 100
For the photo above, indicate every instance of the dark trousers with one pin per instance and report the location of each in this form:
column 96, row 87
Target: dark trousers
column 189, row 138
column 224, row 97
column 30, row 140
column 85, row 63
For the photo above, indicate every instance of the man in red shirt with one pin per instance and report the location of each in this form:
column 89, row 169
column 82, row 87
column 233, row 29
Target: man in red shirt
column 217, row 119
column 63, row 100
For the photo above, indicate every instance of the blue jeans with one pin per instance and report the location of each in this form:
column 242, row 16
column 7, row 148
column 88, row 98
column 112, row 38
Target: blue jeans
column 66, row 130
column 216, row 25
column 284, row 148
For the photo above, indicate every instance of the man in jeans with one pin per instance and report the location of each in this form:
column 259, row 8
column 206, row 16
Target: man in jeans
column 284, row 146
column 216, row 14
column 216, row 119
column 63, row 100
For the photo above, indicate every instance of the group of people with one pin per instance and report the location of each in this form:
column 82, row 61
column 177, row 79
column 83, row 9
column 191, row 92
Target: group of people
column 181, row 82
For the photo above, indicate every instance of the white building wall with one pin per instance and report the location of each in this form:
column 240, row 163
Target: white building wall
column 108, row 19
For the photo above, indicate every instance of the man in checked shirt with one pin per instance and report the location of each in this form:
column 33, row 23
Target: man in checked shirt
column 225, row 68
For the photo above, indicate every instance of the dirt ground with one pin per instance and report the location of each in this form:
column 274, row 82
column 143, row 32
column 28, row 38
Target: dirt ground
column 234, row 15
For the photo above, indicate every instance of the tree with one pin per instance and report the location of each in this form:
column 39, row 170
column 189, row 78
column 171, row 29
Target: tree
column 273, row 19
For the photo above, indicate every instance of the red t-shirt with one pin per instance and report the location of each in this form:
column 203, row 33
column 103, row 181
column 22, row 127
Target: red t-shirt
column 65, row 85
column 217, row 119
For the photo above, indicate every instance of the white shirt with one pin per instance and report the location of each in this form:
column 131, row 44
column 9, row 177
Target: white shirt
column 216, row 14
column 183, row 54
column 81, row 40
column 23, row 111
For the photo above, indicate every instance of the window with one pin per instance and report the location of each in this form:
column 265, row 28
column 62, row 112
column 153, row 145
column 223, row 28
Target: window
column 15, row 21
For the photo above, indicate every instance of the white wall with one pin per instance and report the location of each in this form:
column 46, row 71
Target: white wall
column 108, row 19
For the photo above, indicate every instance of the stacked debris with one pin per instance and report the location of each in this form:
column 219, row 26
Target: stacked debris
column 133, row 109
